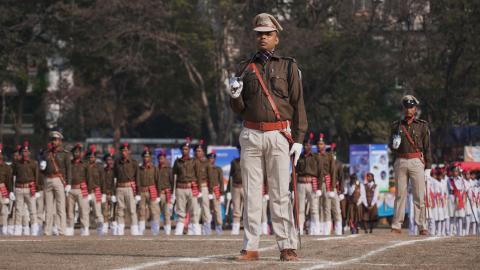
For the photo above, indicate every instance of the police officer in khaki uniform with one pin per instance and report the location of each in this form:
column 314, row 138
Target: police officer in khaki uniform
column 81, row 184
column 327, row 182
column 216, row 190
column 26, row 172
column 187, row 191
column 203, row 174
column 270, row 102
column 147, row 181
column 108, row 182
column 58, row 175
column 410, row 142
column 96, row 190
column 165, row 185
column 127, row 191
column 235, row 194
column 5, row 190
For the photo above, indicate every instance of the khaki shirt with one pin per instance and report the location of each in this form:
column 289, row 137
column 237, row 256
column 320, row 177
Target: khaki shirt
column 217, row 179
column 80, row 174
column 420, row 134
column 59, row 162
column 282, row 78
column 148, row 176
column 26, row 171
column 235, row 173
column 108, row 181
column 6, row 176
column 185, row 170
column 326, row 166
column 203, row 171
column 166, row 178
column 307, row 165
column 95, row 174
column 125, row 170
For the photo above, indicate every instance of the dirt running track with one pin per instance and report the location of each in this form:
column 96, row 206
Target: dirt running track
column 380, row 250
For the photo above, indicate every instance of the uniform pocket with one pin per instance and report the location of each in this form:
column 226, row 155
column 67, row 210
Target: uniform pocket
column 279, row 86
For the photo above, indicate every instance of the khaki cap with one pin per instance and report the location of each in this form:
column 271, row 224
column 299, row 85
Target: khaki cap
column 56, row 135
column 265, row 22
column 410, row 101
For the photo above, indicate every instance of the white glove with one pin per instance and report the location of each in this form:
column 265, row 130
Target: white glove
column 359, row 203
column 341, row 197
column 89, row 197
column 210, row 196
column 396, row 141
column 291, row 194
column 331, row 194
column 12, row 196
column 172, row 200
column 104, row 198
column 266, row 198
column 318, row 193
column 43, row 165
column 113, row 199
column 68, row 188
column 199, row 195
column 157, row 200
column 296, row 150
column 137, row 198
column 236, row 87
column 229, row 196
column 222, row 199
column 6, row 201
column 38, row 195
column 428, row 172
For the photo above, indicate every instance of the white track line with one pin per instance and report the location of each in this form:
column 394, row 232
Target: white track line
column 369, row 254
column 336, row 237
column 128, row 239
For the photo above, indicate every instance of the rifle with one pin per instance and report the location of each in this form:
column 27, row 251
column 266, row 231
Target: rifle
column 295, row 200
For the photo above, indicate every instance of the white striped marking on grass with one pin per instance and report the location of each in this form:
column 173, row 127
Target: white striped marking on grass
column 127, row 239
column 369, row 254
column 336, row 237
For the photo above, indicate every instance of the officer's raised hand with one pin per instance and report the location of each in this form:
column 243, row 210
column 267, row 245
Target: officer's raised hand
column 236, row 86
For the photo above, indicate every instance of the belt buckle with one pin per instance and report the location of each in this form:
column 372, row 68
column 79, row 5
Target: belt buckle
column 262, row 125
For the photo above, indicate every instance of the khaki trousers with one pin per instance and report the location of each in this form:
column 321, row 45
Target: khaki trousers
column 24, row 201
column 165, row 208
column 75, row 196
column 305, row 193
column 325, row 205
column 266, row 153
column 126, row 202
column 3, row 212
column 237, row 203
column 153, row 208
column 40, row 208
column 106, row 208
column 336, row 211
column 205, row 206
column 217, row 212
column 97, row 210
column 412, row 169
column 186, row 202
column 55, row 204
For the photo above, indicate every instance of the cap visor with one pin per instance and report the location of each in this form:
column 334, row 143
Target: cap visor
column 264, row 29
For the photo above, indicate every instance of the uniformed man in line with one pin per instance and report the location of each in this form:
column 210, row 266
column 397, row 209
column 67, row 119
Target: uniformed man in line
column 127, row 191
column 57, row 181
column 108, row 182
column 307, row 187
column 203, row 173
column 327, row 180
column 187, row 191
column 165, row 185
column 235, row 194
column 96, row 192
column 40, row 201
column 337, row 215
column 410, row 142
column 81, row 184
column 13, row 218
column 275, row 123
column 216, row 190
column 147, row 181
column 26, row 172
column 5, row 191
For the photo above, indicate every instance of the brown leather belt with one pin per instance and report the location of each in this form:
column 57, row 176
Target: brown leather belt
column 237, row 185
column 305, row 179
column 124, row 184
column 410, row 155
column 20, row 185
column 267, row 126
column 53, row 175
column 184, row 185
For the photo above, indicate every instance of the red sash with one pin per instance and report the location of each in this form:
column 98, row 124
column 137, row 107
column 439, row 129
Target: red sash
column 153, row 192
column 195, row 191
column 328, row 183
column 4, row 191
column 168, row 195
column 33, row 188
column 314, row 184
column 432, row 197
column 458, row 195
column 98, row 195
column 134, row 187
column 84, row 189
column 216, row 191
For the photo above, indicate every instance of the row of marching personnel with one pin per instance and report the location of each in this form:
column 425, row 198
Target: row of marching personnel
column 452, row 201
